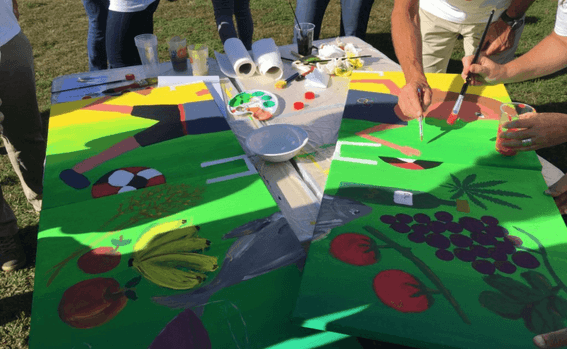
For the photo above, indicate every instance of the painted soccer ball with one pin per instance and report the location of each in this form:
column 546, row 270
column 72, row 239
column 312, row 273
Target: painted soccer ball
column 126, row 179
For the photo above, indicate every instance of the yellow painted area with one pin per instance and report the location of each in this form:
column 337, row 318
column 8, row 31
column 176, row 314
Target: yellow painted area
column 443, row 82
column 66, row 114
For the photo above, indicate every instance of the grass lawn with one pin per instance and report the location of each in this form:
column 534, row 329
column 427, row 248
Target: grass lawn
column 58, row 33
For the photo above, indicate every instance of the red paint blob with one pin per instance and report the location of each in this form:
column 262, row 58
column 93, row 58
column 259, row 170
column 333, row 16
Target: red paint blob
column 298, row 105
column 309, row 95
column 129, row 76
column 86, row 97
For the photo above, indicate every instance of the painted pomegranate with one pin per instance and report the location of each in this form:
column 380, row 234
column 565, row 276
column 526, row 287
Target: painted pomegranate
column 93, row 302
column 402, row 291
column 355, row 249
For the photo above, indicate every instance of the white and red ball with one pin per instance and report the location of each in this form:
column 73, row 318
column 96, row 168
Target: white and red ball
column 126, row 179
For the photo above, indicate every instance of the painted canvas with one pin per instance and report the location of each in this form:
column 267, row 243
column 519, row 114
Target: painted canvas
column 157, row 232
column 454, row 246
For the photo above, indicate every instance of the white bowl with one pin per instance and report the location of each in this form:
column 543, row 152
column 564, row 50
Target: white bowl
column 277, row 143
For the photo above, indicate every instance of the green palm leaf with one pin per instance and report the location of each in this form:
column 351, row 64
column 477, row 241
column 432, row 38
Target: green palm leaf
column 486, row 184
column 458, row 194
column 497, row 201
column 468, row 180
column 500, row 192
column 456, row 180
column 476, row 201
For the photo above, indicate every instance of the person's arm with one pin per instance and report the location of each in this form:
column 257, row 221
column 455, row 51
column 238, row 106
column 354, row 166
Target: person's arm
column 547, row 57
column 406, row 36
column 15, row 9
column 501, row 35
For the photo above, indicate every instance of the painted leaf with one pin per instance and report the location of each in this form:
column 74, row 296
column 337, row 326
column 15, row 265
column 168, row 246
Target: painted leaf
column 131, row 295
column 117, row 242
column 538, row 282
column 458, row 194
column 513, row 289
column 456, row 180
column 476, row 201
column 541, row 320
column 501, row 305
column 485, row 184
column 502, row 193
column 132, row 283
column 468, row 180
column 497, row 201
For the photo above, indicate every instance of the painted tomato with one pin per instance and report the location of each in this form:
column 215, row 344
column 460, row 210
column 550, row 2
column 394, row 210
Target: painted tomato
column 355, row 249
column 102, row 259
column 92, row 302
column 402, row 291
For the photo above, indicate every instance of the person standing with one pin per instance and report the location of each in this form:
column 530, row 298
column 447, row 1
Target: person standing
column 224, row 10
column 20, row 128
column 424, row 33
column 126, row 20
column 97, row 13
column 354, row 15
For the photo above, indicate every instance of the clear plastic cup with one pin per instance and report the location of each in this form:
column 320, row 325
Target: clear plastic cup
column 198, row 56
column 147, row 48
column 510, row 112
column 178, row 53
column 304, row 38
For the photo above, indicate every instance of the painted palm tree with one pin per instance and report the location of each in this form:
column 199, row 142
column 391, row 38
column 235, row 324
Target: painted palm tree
column 479, row 191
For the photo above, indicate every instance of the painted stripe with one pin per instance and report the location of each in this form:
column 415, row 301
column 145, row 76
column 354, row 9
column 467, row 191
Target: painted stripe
column 182, row 118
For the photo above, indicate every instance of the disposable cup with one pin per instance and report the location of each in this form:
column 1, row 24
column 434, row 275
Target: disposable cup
column 198, row 56
column 304, row 37
column 178, row 53
column 147, row 48
column 510, row 112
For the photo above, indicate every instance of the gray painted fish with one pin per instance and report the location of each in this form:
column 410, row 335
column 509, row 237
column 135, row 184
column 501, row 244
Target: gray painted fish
column 264, row 245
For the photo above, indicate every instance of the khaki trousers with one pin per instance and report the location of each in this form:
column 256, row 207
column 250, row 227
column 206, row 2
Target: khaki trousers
column 439, row 37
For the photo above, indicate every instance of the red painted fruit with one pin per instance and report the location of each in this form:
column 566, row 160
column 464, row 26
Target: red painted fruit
column 401, row 291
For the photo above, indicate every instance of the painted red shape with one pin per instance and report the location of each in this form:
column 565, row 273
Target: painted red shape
column 203, row 92
column 401, row 291
column 298, row 105
column 355, row 249
column 91, row 303
column 407, row 165
column 100, row 260
column 309, row 95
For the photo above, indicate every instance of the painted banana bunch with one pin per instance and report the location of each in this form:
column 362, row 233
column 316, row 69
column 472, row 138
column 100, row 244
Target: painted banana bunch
column 168, row 256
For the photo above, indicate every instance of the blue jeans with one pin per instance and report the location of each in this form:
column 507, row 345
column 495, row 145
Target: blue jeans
column 97, row 12
column 121, row 29
column 354, row 15
column 224, row 9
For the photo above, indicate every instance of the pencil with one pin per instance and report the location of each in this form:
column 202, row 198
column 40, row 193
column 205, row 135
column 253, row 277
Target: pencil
column 455, row 113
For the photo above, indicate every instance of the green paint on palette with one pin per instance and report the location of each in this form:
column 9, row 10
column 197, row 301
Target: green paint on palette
column 269, row 104
column 257, row 93
column 267, row 97
column 240, row 99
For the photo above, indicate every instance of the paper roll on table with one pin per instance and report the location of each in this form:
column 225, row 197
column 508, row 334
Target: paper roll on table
column 237, row 62
column 267, row 58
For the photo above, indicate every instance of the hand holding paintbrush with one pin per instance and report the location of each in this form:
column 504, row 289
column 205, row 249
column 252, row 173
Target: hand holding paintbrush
column 455, row 113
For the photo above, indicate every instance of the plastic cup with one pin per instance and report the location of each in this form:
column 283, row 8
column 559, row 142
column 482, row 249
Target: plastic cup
column 147, row 48
column 304, row 38
column 178, row 53
column 198, row 56
column 510, row 112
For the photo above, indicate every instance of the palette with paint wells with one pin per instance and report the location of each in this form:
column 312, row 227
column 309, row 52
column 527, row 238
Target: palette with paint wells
column 261, row 104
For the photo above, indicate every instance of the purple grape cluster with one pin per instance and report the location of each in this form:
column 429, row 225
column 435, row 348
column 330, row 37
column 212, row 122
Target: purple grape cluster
column 482, row 242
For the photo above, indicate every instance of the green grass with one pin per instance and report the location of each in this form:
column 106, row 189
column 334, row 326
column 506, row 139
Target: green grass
column 58, row 33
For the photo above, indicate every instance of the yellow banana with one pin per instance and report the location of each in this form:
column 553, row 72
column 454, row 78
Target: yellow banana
column 188, row 244
column 173, row 235
column 186, row 260
column 154, row 232
column 169, row 277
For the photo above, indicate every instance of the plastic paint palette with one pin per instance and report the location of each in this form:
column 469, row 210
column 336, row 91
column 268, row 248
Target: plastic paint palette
column 239, row 104
column 277, row 143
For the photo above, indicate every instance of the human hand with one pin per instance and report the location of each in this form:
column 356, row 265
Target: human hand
column 499, row 38
column 484, row 71
column 559, row 192
column 544, row 130
column 555, row 339
column 413, row 103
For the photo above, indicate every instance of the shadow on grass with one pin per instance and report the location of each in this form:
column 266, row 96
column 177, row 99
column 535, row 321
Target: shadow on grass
column 11, row 307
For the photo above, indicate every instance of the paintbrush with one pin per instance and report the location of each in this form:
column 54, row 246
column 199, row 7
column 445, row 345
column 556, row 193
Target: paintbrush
column 296, row 20
column 420, row 95
column 455, row 113
column 128, row 77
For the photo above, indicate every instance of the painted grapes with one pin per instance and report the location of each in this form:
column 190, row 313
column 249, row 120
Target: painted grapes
column 482, row 242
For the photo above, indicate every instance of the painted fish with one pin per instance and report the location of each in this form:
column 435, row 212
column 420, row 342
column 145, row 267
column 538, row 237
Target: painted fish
column 264, row 245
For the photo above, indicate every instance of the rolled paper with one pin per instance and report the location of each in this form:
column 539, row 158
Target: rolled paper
column 237, row 62
column 267, row 58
